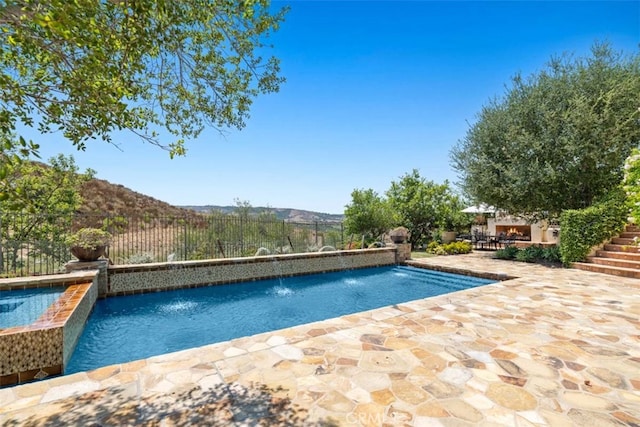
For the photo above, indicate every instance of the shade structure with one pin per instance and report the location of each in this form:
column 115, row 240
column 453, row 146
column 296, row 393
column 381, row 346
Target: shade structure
column 479, row 209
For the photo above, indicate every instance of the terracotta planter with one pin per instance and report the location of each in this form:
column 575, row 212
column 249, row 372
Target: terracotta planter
column 88, row 254
column 448, row 236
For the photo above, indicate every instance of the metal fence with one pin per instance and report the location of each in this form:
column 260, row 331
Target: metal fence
column 35, row 244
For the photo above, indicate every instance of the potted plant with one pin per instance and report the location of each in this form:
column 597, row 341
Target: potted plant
column 454, row 222
column 399, row 234
column 88, row 244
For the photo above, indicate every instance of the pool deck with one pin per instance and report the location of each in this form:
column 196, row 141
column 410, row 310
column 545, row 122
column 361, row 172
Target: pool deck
column 554, row 347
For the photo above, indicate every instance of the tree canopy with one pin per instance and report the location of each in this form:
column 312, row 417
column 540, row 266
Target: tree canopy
column 38, row 203
column 368, row 214
column 413, row 202
column 557, row 140
column 87, row 68
column 421, row 205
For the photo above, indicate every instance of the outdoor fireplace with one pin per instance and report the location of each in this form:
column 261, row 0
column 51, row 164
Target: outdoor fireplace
column 518, row 232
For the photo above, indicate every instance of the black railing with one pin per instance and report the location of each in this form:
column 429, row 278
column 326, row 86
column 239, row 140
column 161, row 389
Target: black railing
column 35, row 244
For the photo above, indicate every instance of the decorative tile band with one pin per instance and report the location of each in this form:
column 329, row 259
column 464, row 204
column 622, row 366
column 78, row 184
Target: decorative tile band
column 125, row 280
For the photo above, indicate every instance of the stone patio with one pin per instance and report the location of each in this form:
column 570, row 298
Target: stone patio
column 553, row 347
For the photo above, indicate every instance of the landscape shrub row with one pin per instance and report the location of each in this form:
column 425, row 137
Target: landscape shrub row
column 530, row 254
column 453, row 248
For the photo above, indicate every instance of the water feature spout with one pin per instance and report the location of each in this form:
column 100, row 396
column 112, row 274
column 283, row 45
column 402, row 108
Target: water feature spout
column 277, row 270
column 262, row 252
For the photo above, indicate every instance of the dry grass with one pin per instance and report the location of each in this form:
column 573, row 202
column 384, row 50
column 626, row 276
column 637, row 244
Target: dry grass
column 101, row 198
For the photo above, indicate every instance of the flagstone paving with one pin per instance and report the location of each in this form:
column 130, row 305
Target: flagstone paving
column 553, row 347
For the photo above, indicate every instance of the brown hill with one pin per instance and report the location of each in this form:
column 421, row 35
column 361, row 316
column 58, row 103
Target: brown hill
column 102, row 198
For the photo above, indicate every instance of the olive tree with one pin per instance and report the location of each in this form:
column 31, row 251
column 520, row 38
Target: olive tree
column 88, row 68
column 556, row 140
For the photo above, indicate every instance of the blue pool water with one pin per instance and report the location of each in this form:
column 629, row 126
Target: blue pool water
column 127, row 328
column 23, row 307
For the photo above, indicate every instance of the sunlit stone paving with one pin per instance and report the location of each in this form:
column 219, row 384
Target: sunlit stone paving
column 553, row 347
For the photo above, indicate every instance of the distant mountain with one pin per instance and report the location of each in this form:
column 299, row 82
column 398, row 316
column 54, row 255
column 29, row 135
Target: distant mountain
column 287, row 214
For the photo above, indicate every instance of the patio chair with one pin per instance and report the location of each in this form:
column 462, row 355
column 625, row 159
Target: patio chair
column 481, row 240
column 507, row 240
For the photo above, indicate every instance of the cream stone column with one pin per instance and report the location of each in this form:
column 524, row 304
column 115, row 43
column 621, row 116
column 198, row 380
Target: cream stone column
column 403, row 252
column 101, row 265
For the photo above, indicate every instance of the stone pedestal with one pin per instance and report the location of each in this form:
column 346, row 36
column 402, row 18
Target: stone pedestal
column 403, row 252
column 101, row 265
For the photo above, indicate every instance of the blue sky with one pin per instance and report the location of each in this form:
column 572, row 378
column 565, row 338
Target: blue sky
column 374, row 90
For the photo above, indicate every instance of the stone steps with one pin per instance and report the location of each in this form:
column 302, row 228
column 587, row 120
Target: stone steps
column 607, row 269
column 629, row 256
column 620, row 257
column 630, row 234
column 610, row 247
column 623, row 241
column 614, row 262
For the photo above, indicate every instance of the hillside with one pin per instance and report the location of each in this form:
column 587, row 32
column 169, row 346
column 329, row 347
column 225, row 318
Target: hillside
column 287, row 214
column 106, row 199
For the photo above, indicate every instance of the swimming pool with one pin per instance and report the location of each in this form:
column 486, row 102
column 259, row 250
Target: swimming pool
column 25, row 306
column 127, row 328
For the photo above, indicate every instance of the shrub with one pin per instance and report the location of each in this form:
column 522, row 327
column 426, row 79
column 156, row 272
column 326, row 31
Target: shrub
column 432, row 247
column 583, row 229
column 551, row 254
column 456, row 248
column 353, row 245
column 118, row 224
column 89, row 238
column 509, row 252
column 142, row 258
column 632, row 185
column 453, row 248
column 530, row 254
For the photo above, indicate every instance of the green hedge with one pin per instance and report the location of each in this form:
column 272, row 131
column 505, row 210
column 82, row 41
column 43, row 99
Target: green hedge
column 583, row 229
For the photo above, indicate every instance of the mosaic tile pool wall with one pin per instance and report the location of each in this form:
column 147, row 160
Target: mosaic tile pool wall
column 43, row 348
column 128, row 279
